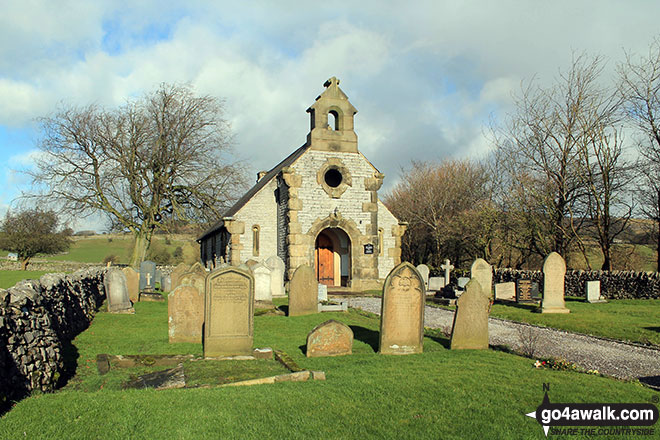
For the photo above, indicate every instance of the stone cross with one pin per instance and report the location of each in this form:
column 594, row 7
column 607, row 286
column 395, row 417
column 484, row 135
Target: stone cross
column 148, row 277
column 447, row 268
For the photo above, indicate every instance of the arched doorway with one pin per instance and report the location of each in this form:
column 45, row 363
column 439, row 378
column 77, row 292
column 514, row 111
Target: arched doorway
column 333, row 257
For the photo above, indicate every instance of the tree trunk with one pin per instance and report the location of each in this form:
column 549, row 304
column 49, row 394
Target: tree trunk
column 142, row 242
column 657, row 252
column 24, row 263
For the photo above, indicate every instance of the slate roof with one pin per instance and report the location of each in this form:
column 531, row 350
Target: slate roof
column 289, row 160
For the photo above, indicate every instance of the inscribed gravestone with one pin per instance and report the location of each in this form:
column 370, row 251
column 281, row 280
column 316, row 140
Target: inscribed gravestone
column 483, row 272
column 554, row 270
column 228, row 313
column 276, row 266
column 505, row 291
column 523, row 291
column 116, row 292
column 470, row 329
column 402, row 317
column 198, row 268
column 262, row 290
column 592, row 291
column 166, row 283
column 147, row 276
column 185, row 306
column 132, row 283
column 423, row 270
column 332, row 338
column 303, row 293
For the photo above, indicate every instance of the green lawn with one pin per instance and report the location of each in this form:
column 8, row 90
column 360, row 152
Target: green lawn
column 636, row 320
column 440, row 394
column 9, row 278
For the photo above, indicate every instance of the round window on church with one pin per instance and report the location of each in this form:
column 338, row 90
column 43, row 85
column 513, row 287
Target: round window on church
column 333, row 177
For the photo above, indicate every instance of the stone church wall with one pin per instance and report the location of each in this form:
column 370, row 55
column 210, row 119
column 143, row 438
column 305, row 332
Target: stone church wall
column 386, row 222
column 318, row 204
column 261, row 210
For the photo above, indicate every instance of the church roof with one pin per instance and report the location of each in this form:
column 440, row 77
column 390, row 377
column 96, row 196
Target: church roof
column 289, row 160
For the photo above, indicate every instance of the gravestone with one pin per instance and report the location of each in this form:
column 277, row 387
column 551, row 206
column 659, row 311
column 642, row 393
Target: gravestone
column 461, row 282
column 303, row 292
column 447, row 267
column 276, row 266
column 423, row 270
column 402, row 317
column 199, row 269
column 592, row 292
column 323, row 292
column 470, row 329
column 436, row 284
column 116, row 292
column 331, row 338
column 176, row 274
column 147, row 276
column 158, row 278
column 166, row 283
column 554, row 270
column 505, row 291
column 228, row 313
column 523, row 291
column 262, row 290
column 132, row 283
column 193, row 279
column 185, row 306
column 483, row 272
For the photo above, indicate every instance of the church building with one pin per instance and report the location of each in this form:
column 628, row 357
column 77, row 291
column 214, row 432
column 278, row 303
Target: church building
column 319, row 207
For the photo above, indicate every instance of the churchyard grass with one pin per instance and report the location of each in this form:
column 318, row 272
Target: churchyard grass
column 9, row 278
column 635, row 320
column 437, row 394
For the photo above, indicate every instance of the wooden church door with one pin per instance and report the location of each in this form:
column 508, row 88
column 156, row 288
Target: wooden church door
column 325, row 265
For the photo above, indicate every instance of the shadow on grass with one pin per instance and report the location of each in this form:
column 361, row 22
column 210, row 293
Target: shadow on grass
column 285, row 309
column 368, row 336
column 530, row 307
column 436, row 335
column 653, row 329
column 70, row 357
column 651, row 382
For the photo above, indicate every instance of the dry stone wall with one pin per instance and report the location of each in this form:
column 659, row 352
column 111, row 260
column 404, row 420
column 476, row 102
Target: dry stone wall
column 613, row 285
column 37, row 320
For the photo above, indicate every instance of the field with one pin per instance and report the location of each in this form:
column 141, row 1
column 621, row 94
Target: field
column 438, row 394
column 9, row 278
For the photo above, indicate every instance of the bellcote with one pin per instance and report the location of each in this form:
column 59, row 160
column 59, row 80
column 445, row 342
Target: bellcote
column 331, row 121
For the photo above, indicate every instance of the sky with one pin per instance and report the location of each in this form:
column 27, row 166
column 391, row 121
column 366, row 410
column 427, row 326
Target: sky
column 425, row 76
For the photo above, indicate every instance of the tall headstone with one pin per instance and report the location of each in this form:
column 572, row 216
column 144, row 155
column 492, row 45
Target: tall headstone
column 483, row 272
column 185, row 306
column 402, row 316
column 176, row 274
column 331, row 338
column 470, row 329
column 423, row 270
column 447, row 267
column 158, row 278
column 323, row 292
column 276, row 266
column 262, row 290
column 147, row 276
column 228, row 313
column 303, row 292
column 132, row 283
column 554, row 270
column 592, row 292
column 116, row 292
column 199, row 269
column 524, row 291
column 166, row 283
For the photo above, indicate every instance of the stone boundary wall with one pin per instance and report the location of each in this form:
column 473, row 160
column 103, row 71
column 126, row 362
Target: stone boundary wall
column 38, row 319
column 613, row 285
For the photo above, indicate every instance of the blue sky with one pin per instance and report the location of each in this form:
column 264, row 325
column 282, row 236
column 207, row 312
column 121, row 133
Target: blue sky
column 425, row 76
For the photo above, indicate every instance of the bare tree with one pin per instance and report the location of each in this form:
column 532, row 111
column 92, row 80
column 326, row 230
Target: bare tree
column 161, row 157
column 640, row 87
column 542, row 144
column 31, row 232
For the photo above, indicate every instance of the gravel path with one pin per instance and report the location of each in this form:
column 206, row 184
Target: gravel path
column 617, row 359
